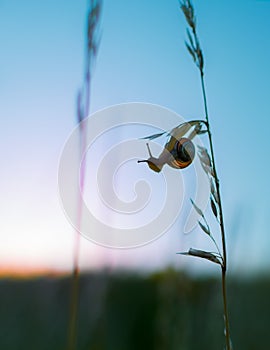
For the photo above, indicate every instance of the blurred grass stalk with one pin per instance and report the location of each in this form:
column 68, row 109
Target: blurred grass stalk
column 83, row 109
column 193, row 47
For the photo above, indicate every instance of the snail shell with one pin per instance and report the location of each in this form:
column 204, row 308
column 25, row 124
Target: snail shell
column 182, row 154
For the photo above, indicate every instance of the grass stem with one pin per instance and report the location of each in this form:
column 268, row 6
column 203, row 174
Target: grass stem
column 73, row 320
column 83, row 109
column 225, row 310
column 221, row 220
column 193, row 47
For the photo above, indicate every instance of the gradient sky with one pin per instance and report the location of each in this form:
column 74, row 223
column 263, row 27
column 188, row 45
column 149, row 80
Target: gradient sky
column 142, row 58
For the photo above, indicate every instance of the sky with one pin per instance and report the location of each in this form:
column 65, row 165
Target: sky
column 141, row 58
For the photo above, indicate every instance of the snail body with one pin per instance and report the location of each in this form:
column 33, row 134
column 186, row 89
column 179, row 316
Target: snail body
column 178, row 154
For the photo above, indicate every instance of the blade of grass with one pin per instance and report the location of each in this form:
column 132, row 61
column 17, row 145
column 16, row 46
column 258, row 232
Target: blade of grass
column 83, row 108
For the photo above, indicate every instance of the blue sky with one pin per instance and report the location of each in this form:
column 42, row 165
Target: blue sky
column 142, row 58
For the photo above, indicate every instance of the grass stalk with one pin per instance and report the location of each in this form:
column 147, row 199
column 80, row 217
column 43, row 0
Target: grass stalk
column 83, row 109
column 72, row 329
column 221, row 220
column 193, row 47
column 225, row 311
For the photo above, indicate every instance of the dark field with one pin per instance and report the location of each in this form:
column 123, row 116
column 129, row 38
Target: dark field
column 165, row 311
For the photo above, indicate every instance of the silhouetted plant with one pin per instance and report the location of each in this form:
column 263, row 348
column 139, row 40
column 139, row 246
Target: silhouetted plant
column 83, row 109
column 179, row 152
column 208, row 163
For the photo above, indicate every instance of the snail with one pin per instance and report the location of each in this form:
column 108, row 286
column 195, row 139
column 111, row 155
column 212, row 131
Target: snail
column 179, row 151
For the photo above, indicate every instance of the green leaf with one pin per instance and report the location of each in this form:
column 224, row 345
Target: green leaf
column 195, row 131
column 207, row 169
column 214, row 208
column 189, row 13
column 200, row 58
column 204, row 228
column 202, row 254
column 189, row 48
column 213, row 191
column 191, row 41
column 176, row 132
column 180, row 130
column 198, row 210
column 152, row 137
column 204, row 156
column 205, row 160
column 202, row 132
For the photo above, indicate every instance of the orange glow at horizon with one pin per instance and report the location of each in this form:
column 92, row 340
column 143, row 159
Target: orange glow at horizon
column 15, row 271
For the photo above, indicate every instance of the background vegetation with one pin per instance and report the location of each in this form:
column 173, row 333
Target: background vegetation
column 123, row 311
